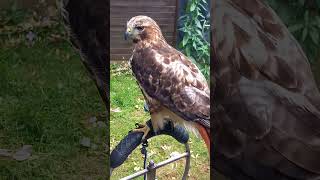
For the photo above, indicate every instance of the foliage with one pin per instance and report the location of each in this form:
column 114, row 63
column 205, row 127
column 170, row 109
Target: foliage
column 303, row 19
column 196, row 27
column 12, row 15
column 42, row 22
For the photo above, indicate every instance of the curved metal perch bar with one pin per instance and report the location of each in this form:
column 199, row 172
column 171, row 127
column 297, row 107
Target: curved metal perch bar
column 133, row 140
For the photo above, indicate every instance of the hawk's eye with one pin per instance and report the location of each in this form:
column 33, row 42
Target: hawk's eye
column 140, row 28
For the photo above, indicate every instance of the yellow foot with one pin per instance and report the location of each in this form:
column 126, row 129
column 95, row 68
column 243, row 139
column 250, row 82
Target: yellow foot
column 142, row 128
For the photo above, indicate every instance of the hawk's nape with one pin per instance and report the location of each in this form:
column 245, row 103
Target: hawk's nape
column 266, row 111
column 88, row 24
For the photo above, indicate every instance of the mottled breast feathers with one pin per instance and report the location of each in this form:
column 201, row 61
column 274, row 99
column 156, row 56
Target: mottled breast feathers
column 167, row 76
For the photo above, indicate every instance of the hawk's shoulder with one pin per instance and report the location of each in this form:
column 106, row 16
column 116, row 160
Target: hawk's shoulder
column 169, row 77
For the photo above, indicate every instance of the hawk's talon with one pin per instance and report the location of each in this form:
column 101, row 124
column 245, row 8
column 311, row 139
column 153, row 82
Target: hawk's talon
column 142, row 128
column 139, row 126
column 136, row 125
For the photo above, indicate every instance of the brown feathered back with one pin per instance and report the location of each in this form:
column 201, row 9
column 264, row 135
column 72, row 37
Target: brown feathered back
column 267, row 102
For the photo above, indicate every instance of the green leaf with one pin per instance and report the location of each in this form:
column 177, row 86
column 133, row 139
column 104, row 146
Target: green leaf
column 203, row 18
column 199, row 32
column 314, row 34
column 204, row 8
column 185, row 40
column 201, row 44
column 198, row 23
column 192, row 7
column 304, row 33
column 194, row 45
column 189, row 32
column 182, row 29
column 182, row 17
column 188, row 52
column 180, row 46
column 317, row 19
column 306, row 17
column 204, row 1
column 295, row 27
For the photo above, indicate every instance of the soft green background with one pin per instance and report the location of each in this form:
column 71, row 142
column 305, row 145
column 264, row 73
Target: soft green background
column 46, row 99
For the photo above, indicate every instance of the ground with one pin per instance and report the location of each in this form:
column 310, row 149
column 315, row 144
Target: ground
column 127, row 109
column 46, row 100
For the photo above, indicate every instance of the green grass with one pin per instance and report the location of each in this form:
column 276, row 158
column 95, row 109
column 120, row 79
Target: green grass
column 46, row 99
column 126, row 96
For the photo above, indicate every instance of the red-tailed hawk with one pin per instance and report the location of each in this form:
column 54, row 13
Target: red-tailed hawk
column 267, row 105
column 172, row 85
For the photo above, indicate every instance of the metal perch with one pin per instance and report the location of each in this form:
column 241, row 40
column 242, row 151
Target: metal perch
column 133, row 140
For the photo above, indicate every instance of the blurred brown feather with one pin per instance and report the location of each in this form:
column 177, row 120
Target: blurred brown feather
column 88, row 23
column 266, row 101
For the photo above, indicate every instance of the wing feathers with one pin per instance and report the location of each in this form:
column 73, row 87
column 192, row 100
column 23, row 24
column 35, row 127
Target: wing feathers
column 265, row 85
column 169, row 77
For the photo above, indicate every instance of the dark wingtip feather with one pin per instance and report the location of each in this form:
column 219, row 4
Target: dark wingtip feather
column 87, row 24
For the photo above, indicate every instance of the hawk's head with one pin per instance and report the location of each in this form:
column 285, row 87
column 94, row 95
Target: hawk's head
column 143, row 28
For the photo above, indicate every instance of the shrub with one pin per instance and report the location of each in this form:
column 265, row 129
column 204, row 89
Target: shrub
column 196, row 31
column 303, row 19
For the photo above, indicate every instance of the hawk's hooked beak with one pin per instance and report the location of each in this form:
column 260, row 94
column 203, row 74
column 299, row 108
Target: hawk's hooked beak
column 127, row 33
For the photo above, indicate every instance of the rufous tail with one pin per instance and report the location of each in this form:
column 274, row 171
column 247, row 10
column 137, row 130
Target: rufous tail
column 205, row 135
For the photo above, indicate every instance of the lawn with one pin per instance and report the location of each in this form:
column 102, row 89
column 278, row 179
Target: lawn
column 127, row 109
column 48, row 101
